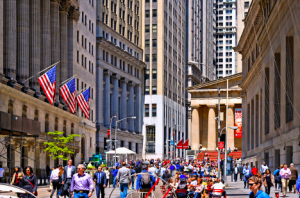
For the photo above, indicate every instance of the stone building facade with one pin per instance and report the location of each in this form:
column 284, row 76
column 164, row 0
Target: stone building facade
column 204, row 101
column 270, row 50
column 163, row 34
column 35, row 35
column 120, row 71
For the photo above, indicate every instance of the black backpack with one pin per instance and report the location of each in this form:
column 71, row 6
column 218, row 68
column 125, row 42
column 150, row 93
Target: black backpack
column 145, row 180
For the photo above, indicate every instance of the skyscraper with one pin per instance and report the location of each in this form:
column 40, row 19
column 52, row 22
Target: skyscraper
column 200, row 47
column 163, row 42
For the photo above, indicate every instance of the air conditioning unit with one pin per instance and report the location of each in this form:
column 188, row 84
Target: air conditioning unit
column 190, row 152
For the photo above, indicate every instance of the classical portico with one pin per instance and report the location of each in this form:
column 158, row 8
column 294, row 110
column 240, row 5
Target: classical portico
column 204, row 103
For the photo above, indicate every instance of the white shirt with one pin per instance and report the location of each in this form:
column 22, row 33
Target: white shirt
column 69, row 173
column 194, row 183
column 1, row 172
column 235, row 170
column 152, row 170
column 54, row 175
column 218, row 186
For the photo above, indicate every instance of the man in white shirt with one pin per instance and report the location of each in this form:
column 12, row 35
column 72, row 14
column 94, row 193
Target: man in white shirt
column 263, row 168
column 218, row 188
column 153, row 170
column 1, row 173
column 235, row 172
column 54, row 178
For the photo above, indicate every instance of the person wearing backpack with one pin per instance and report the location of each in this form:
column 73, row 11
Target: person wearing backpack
column 182, row 189
column 144, row 181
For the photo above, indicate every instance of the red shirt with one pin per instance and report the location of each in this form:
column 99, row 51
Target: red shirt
column 254, row 171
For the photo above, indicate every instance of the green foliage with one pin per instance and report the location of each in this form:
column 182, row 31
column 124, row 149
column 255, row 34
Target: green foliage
column 58, row 148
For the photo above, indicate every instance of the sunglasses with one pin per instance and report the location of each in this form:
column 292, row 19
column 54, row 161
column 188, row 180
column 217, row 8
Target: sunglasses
column 27, row 170
column 252, row 184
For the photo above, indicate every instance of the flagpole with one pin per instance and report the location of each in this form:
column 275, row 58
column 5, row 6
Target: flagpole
column 85, row 89
column 41, row 71
column 68, row 79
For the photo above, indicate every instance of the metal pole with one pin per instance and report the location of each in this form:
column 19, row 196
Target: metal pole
column 225, row 165
column 110, row 143
column 116, row 143
column 35, row 155
column 9, row 156
column 219, row 125
column 21, row 150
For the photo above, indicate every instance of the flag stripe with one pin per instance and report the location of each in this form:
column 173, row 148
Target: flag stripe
column 83, row 104
column 47, row 86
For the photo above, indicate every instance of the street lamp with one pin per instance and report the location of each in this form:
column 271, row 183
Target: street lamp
column 219, row 101
column 110, row 146
column 225, row 164
column 116, row 136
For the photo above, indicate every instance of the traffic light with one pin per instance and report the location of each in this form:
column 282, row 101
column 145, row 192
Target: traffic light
column 108, row 133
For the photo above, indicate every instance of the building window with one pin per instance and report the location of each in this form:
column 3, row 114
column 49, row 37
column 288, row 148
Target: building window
column 154, row 27
column 154, row 90
column 122, row 143
column 129, row 146
column 147, row 28
column 154, row 58
column 154, row 13
column 154, row 74
column 146, row 110
column 82, row 17
column 147, row 43
column 137, row 148
column 77, row 56
column 154, row 42
column 246, row 4
column 147, row 74
column 150, row 139
column 147, row 58
column 153, row 110
column 147, row 14
column 289, row 78
column 147, row 90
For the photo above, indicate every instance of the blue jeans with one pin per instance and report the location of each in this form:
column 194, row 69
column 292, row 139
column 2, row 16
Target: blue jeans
column 132, row 183
column 114, row 180
column 235, row 177
column 124, row 187
column 80, row 195
column 197, row 195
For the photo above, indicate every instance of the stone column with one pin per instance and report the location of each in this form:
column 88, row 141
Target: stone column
column 10, row 38
column 45, row 34
column 55, row 42
column 23, row 41
column 123, row 109
column 63, row 23
column 99, row 95
column 211, row 143
column 1, row 38
column 230, row 122
column 107, row 99
column 131, row 106
column 138, row 109
column 195, row 128
column 115, row 99
column 35, row 43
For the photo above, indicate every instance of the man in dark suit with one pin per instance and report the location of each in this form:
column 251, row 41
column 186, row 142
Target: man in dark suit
column 67, row 176
column 100, row 181
column 241, row 172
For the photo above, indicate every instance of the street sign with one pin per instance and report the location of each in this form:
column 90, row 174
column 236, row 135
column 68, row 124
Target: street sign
column 221, row 145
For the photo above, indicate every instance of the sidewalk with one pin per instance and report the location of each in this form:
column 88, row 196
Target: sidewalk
column 236, row 189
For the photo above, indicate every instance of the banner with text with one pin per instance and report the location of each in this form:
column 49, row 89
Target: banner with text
column 238, row 123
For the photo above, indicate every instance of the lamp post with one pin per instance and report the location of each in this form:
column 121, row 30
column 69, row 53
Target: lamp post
column 110, row 146
column 219, row 101
column 225, row 164
column 116, row 136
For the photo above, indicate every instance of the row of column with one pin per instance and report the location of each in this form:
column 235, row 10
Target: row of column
column 124, row 106
column 211, row 127
column 35, row 36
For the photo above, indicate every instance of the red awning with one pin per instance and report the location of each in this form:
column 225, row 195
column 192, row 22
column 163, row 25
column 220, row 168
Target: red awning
column 179, row 145
column 186, row 144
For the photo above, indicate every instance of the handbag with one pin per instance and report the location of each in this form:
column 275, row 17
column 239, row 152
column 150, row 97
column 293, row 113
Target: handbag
column 35, row 193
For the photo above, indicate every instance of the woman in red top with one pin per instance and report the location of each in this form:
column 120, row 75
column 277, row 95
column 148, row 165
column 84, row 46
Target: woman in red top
column 208, row 188
column 254, row 170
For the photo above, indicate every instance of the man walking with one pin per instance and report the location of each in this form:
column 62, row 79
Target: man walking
column 114, row 173
column 132, row 172
column 123, row 178
column 144, row 181
column 293, row 178
column 285, row 176
column 100, row 182
column 263, row 168
column 54, row 179
column 241, row 172
column 67, row 177
column 235, row 172
column 82, row 184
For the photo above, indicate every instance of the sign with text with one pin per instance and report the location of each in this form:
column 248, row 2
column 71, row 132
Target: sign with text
column 221, row 145
column 238, row 123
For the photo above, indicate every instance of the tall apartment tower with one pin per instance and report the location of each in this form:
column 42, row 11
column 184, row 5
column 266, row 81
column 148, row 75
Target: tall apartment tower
column 242, row 11
column 163, row 42
column 120, row 72
column 226, row 36
column 200, row 47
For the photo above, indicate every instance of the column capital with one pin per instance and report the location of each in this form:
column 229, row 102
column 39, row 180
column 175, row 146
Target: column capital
column 117, row 76
column 125, row 80
column 132, row 83
column 107, row 72
column 74, row 13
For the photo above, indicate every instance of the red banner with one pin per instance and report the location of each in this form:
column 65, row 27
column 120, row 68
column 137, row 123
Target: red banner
column 238, row 123
column 179, row 145
column 221, row 145
column 186, row 144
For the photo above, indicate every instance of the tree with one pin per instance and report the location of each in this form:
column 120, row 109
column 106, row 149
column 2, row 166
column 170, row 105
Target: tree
column 58, row 148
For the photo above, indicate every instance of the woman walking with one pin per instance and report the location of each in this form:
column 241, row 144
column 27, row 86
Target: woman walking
column 268, row 183
column 17, row 177
column 199, row 188
column 29, row 183
column 255, row 184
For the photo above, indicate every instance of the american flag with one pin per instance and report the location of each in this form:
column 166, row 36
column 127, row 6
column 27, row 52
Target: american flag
column 84, row 102
column 68, row 93
column 47, row 82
